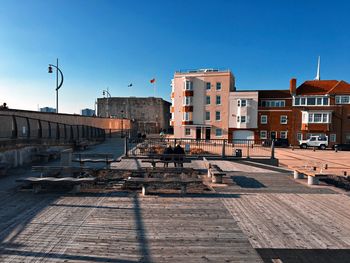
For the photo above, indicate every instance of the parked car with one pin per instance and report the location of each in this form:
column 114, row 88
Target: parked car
column 314, row 141
column 342, row 147
column 278, row 143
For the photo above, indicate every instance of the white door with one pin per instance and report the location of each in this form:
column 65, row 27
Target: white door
column 243, row 135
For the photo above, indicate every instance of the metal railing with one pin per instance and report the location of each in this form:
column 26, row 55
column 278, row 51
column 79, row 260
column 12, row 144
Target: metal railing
column 16, row 130
column 202, row 147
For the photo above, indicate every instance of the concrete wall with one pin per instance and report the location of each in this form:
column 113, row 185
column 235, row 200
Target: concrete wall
column 103, row 123
column 150, row 114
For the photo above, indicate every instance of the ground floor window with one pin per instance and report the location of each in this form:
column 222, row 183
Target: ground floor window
column 333, row 137
column 218, row 132
column 299, row 136
column 283, row 134
column 263, row 134
column 187, row 131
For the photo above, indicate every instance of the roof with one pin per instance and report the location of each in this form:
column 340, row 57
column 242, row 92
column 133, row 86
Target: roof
column 322, row 87
column 274, row 94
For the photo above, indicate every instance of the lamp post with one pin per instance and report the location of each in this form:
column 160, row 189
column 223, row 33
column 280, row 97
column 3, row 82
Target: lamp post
column 122, row 133
column 106, row 92
column 58, row 86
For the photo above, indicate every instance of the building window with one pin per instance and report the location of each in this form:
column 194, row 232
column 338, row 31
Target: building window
column 263, row 119
column 187, row 101
column 311, row 101
column 218, row 132
column 208, row 100
column 188, row 85
column 218, row 85
column 207, row 115
column 243, row 119
column 284, row 119
column 218, row 100
column 342, row 99
column 273, row 103
column 187, row 131
column 283, row 134
column 241, row 103
column 208, row 85
column 186, row 116
column 316, row 117
column 217, row 115
column 299, row 136
column 333, row 137
column 263, row 134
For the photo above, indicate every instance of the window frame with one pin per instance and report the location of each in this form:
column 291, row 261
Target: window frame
column 216, row 132
column 187, row 129
column 205, row 117
column 216, row 99
column 261, row 117
column 206, row 100
column 216, row 115
column 218, row 86
column 261, row 137
column 208, row 84
column 286, row 118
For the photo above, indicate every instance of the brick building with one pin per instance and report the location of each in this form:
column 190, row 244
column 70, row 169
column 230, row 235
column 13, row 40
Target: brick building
column 316, row 107
column 206, row 105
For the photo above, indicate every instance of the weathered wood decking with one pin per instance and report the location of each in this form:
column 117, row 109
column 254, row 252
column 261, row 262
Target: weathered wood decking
column 124, row 228
column 257, row 213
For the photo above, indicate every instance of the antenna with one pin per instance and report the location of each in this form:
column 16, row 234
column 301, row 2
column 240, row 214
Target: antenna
column 318, row 76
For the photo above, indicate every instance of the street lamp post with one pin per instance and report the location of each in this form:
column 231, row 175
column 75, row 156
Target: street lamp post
column 122, row 133
column 58, row 86
column 108, row 95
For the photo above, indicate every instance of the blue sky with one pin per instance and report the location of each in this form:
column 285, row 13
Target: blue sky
column 104, row 44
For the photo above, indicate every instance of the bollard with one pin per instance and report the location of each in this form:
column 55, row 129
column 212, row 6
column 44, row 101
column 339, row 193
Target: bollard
column 298, row 175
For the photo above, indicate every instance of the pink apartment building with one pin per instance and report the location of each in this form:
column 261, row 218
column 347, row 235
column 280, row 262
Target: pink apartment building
column 200, row 103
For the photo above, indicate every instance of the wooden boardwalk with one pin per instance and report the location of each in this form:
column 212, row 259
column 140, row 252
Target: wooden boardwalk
column 124, row 228
column 258, row 215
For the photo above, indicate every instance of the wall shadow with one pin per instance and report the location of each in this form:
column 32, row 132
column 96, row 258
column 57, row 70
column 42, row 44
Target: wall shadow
column 304, row 255
column 141, row 232
column 247, row 182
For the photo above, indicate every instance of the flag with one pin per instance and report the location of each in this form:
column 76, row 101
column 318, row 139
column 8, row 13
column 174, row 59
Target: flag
column 130, row 85
column 152, row 80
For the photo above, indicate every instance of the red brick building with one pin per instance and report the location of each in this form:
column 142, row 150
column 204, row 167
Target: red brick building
column 317, row 107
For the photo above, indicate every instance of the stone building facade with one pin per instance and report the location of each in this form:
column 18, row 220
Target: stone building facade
column 148, row 114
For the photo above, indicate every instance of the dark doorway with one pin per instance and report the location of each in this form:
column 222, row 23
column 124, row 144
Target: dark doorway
column 207, row 133
column 198, row 133
column 273, row 135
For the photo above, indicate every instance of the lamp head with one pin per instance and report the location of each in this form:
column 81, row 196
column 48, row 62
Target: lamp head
column 50, row 69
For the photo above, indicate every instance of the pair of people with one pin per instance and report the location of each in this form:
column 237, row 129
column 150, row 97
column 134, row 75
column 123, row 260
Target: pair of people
column 178, row 153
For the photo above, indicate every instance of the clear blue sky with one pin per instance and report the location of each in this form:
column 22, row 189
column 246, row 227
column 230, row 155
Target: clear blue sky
column 104, row 44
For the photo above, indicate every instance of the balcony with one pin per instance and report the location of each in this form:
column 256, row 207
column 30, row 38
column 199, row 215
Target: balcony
column 187, row 122
column 187, row 109
column 187, row 93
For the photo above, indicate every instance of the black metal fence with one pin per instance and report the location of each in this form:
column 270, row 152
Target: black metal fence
column 25, row 130
column 202, row 147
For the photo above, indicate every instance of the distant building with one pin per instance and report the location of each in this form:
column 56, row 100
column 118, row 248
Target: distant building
column 48, row 109
column 148, row 114
column 200, row 103
column 87, row 112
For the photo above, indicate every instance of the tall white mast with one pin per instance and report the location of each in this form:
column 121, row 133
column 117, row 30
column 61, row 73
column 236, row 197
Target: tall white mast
column 318, row 76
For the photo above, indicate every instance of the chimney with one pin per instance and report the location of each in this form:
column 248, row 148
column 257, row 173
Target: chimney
column 293, row 86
